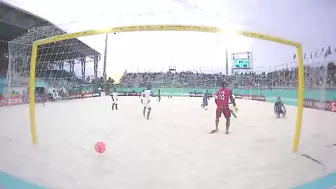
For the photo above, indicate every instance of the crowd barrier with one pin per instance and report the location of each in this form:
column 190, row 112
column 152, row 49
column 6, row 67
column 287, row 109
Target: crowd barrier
column 288, row 97
column 307, row 103
column 24, row 99
column 312, row 99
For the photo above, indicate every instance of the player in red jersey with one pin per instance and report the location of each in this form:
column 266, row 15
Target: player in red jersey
column 222, row 98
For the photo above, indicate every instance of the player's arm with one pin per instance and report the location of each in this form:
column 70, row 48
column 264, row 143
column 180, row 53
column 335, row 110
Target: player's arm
column 232, row 99
column 216, row 97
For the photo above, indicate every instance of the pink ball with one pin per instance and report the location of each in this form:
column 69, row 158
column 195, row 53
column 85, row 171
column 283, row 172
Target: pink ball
column 100, row 147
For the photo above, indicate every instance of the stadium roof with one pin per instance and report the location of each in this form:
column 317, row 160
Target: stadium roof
column 283, row 18
column 15, row 24
column 307, row 22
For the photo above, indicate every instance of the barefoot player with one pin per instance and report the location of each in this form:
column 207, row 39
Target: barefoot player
column 159, row 95
column 114, row 97
column 204, row 105
column 222, row 98
column 146, row 101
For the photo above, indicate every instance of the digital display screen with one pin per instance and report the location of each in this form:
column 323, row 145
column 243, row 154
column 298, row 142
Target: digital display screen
column 240, row 56
column 243, row 63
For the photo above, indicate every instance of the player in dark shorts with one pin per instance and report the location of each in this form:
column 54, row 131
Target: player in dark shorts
column 159, row 95
column 114, row 97
column 45, row 97
column 222, row 97
column 279, row 108
column 205, row 100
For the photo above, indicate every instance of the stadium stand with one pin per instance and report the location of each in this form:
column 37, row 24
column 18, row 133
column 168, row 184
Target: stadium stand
column 286, row 77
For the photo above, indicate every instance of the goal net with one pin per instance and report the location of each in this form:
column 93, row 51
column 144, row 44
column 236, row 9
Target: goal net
column 320, row 76
column 70, row 69
column 61, row 71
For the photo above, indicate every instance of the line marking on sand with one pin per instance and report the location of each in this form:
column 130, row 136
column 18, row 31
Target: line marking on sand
column 326, row 182
column 329, row 146
column 314, row 160
column 10, row 182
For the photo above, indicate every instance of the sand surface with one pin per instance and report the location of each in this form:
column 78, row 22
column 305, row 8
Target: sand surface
column 172, row 150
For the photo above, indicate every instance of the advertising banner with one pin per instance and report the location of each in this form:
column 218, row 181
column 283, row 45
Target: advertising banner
column 333, row 106
column 316, row 104
column 128, row 94
column 252, row 97
column 198, row 94
column 24, row 99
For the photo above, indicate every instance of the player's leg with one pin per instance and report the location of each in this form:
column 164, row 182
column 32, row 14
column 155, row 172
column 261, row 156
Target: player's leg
column 227, row 125
column 116, row 105
column 278, row 113
column 218, row 115
column 113, row 105
column 44, row 100
column 149, row 109
column 283, row 113
column 227, row 115
column 144, row 111
column 149, row 112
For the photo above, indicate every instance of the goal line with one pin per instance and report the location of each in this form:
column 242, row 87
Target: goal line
column 191, row 28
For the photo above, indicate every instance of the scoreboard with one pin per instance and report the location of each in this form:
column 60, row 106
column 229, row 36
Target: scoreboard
column 242, row 60
column 242, row 64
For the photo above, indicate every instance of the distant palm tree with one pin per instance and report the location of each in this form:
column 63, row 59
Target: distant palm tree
column 110, row 80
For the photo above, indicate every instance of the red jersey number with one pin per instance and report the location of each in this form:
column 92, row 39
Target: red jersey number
column 222, row 95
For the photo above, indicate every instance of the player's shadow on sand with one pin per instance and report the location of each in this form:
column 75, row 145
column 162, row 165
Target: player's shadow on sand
column 276, row 118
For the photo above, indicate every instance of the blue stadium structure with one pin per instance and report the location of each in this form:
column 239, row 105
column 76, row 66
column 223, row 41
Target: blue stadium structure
column 19, row 29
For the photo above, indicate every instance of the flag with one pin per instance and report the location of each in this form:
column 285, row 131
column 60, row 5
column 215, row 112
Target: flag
column 294, row 56
column 311, row 55
column 322, row 50
column 328, row 52
column 304, row 56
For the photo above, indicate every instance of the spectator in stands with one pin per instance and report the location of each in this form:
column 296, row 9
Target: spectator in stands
column 315, row 76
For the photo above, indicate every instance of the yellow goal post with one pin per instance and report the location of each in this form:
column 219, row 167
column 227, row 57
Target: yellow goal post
column 190, row 28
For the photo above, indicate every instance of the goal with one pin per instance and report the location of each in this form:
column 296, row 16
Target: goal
column 58, row 51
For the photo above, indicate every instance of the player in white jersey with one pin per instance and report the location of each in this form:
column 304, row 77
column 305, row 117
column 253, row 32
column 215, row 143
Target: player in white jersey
column 114, row 97
column 146, row 101
column 232, row 107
